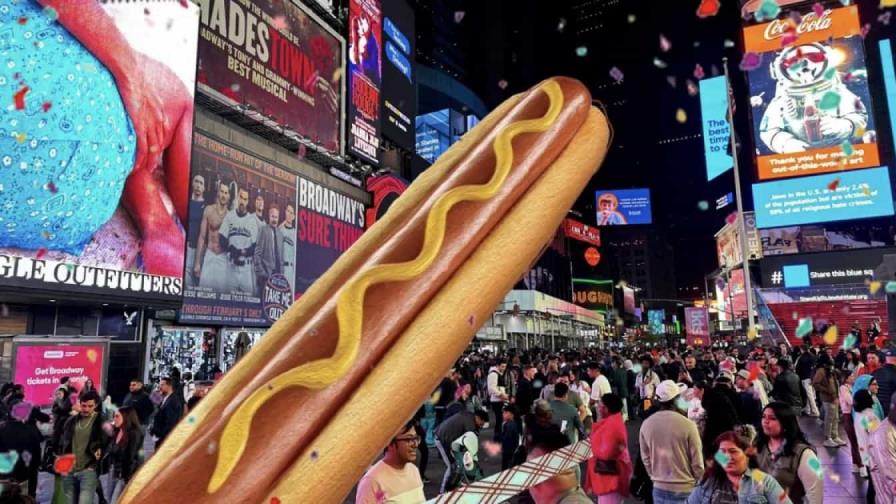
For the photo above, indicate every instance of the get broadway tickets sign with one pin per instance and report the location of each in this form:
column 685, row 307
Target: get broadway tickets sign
column 40, row 366
column 809, row 92
column 277, row 57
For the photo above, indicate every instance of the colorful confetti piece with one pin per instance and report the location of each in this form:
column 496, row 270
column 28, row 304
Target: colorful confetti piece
column 665, row 45
column 631, row 18
column 561, row 24
column 672, row 81
column 492, row 448
column 459, row 16
column 692, row 88
column 41, row 252
column 708, row 8
column 581, row 51
column 752, row 333
column 8, row 461
column 830, row 336
column 21, row 137
column 849, row 341
column 847, row 148
column 750, row 61
column 884, row 18
column 722, row 458
column 891, row 287
column 50, row 13
column 502, row 84
column 698, row 72
column 681, row 116
column 280, row 23
column 46, row 106
column 804, row 327
column 616, row 74
column 275, row 500
column 91, row 355
column 703, row 205
column 873, row 287
column 728, row 44
column 834, row 184
column 789, row 37
column 767, row 11
column 659, row 63
column 314, row 456
column 19, row 97
column 758, row 475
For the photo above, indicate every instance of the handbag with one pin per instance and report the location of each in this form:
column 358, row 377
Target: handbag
column 606, row 466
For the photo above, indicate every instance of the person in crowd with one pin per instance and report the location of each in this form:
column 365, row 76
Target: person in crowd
column 866, row 423
column 24, row 439
column 395, row 477
column 671, row 448
column 847, row 379
column 872, row 364
column 805, row 367
column 722, row 404
column 696, row 413
column 510, row 436
column 525, row 391
column 883, row 453
column 138, row 399
column 853, row 361
column 750, row 411
column 785, row 454
column 565, row 415
column 620, row 379
column 730, row 479
column 564, row 487
column 600, row 384
column 826, row 387
column 867, row 382
column 610, row 463
column 60, row 411
column 124, row 450
column 452, row 429
column 497, row 393
column 444, row 394
column 886, row 374
column 787, row 386
column 83, row 436
column 170, row 411
column 646, row 382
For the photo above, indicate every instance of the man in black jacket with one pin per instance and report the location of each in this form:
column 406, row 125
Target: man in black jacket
column 805, row 369
column 170, row 411
column 886, row 377
column 83, row 436
column 451, row 429
column 525, row 390
column 138, row 399
column 787, row 386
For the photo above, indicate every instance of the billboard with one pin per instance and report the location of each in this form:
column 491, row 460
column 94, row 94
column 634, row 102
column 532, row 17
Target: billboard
column 729, row 247
column 84, row 207
column 716, row 130
column 399, row 91
column 40, row 366
column 365, row 76
column 628, row 300
column 581, row 232
column 242, row 269
column 656, row 321
column 731, row 295
column 886, row 63
column 822, row 198
column 826, row 268
column 810, row 97
column 277, row 58
column 435, row 132
column 593, row 294
column 619, row 207
column 696, row 323
column 828, row 236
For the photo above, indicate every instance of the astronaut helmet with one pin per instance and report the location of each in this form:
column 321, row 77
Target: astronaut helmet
column 803, row 66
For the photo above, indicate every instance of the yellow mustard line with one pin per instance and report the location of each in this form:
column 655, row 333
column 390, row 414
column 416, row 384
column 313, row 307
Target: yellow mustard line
column 349, row 308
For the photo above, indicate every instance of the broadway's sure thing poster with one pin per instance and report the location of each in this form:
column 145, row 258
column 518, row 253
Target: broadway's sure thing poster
column 96, row 172
column 365, row 40
column 277, row 58
column 243, row 223
column 811, row 107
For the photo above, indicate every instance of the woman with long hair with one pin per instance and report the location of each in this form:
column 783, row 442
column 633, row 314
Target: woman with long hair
column 783, row 452
column 729, row 479
column 127, row 440
column 869, row 383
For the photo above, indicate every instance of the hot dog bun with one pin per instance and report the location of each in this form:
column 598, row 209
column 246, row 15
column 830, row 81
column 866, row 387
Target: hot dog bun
column 268, row 413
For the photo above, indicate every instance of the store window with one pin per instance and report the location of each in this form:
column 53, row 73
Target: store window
column 236, row 343
column 191, row 349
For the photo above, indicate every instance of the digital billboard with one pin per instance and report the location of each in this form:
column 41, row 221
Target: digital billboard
column 619, row 207
column 433, row 134
column 811, row 103
column 732, row 295
column 593, row 294
column 365, row 76
column 825, row 268
column 581, row 232
column 716, row 130
column 886, row 62
column 628, row 300
column 696, row 324
column 821, row 198
column 278, row 59
column 828, row 236
column 38, row 367
column 399, row 91
column 656, row 321
column 92, row 122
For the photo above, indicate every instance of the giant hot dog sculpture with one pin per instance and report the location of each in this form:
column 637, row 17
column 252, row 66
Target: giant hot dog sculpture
column 300, row 418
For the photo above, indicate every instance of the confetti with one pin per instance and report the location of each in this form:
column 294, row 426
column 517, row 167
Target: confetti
column 436, row 396
column 212, row 447
column 459, row 16
column 184, row 3
column 818, row 9
column 21, row 411
column 659, row 63
column 884, row 18
column 46, row 106
column 758, row 475
column 672, row 81
column 873, row 287
column 768, row 11
column 891, row 287
column 492, row 448
column 887, row 3
column 847, row 148
column 834, row 185
column 796, row 17
column 703, row 205
column 561, row 24
column 19, row 97
column 692, row 88
column 631, row 18
column 8, row 461
column 502, row 84
column 191, row 419
column 865, row 29
column 51, row 13
column 728, row 44
column 616, row 74
column 708, row 8
column 698, row 72
column 722, row 458
column 275, row 500
column 849, row 342
column 665, row 45
column 750, row 61
column 314, row 456
column 829, row 101
column 834, row 477
column 830, row 336
column 581, row 51
column 752, row 333
column 471, row 319
column 814, row 463
column 789, row 37
column 681, row 116
column 804, row 327
column 23, row 20
column 41, row 252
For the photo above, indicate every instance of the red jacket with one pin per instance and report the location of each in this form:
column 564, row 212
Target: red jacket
column 609, row 441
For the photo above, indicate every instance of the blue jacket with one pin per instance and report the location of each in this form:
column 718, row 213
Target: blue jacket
column 756, row 487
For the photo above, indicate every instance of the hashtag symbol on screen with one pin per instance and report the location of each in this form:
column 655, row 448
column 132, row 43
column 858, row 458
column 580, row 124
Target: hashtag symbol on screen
column 777, row 277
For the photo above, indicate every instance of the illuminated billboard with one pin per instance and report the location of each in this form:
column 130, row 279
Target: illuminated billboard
column 619, row 207
column 809, row 93
column 822, row 198
column 716, row 131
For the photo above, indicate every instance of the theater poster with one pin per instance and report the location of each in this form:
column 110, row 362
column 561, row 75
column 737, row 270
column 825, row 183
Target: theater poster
column 95, row 174
column 365, row 41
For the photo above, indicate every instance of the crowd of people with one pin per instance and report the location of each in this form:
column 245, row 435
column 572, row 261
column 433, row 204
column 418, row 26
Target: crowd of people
column 713, row 425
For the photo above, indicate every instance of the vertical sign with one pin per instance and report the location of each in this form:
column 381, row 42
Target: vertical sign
column 716, row 131
column 398, row 90
column 696, row 322
column 365, row 77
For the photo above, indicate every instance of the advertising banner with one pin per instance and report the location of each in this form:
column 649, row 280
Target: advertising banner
column 828, row 236
column 696, row 323
column 243, row 216
column 733, row 295
column 39, row 367
column 887, row 67
column 279, row 59
column 365, row 75
column 826, row 268
column 623, row 206
column 822, row 198
column 593, row 294
column 656, row 321
column 399, row 76
column 729, row 247
column 811, row 103
column 581, row 232
column 84, row 207
column 628, row 300
column 329, row 223
column 716, row 130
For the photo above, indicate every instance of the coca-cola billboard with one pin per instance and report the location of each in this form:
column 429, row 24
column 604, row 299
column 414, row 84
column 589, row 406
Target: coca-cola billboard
column 809, row 94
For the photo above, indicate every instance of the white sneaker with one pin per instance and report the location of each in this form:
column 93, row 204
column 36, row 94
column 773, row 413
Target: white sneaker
column 856, row 469
column 830, row 443
column 839, row 441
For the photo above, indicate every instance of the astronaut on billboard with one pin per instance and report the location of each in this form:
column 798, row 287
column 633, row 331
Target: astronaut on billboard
column 796, row 119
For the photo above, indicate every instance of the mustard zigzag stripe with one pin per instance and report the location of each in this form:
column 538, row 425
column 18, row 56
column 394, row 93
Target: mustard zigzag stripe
column 349, row 308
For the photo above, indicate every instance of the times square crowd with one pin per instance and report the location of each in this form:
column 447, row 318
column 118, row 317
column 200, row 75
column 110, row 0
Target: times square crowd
column 714, row 426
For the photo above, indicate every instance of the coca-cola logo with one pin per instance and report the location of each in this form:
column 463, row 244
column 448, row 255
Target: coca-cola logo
column 811, row 22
